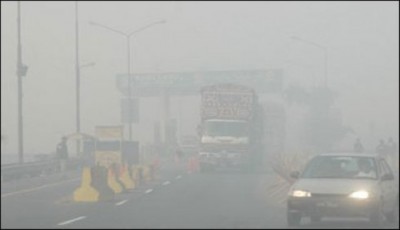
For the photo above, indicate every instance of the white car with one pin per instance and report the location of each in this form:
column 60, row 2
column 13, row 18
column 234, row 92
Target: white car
column 343, row 185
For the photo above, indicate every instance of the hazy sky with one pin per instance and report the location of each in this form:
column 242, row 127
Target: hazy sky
column 362, row 39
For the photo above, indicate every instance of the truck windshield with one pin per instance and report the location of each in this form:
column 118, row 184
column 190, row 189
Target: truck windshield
column 226, row 128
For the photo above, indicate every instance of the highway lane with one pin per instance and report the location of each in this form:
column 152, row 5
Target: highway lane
column 175, row 200
column 44, row 202
column 217, row 200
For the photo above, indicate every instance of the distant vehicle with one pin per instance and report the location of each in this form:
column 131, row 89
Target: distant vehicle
column 189, row 145
column 343, row 185
column 231, row 127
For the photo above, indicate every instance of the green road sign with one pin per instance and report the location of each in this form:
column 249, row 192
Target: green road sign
column 190, row 83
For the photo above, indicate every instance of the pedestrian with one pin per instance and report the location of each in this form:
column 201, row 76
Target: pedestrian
column 392, row 154
column 391, row 146
column 358, row 147
column 62, row 153
column 381, row 149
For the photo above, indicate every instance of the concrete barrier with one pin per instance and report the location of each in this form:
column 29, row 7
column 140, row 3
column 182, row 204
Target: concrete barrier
column 125, row 177
column 136, row 174
column 146, row 173
column 86, row 193
column 99, row 182
column 112, row 181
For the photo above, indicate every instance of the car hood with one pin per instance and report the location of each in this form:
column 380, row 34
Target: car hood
column 334, row 186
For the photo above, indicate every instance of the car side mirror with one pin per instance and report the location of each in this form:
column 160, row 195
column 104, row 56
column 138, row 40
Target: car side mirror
column 295, row 174
column 387, row 176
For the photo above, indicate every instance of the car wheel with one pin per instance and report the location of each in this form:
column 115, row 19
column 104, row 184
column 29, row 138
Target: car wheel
column 376, row 217
column 293, row 219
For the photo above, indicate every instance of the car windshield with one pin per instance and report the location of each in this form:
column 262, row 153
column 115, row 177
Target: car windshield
column 351, row 167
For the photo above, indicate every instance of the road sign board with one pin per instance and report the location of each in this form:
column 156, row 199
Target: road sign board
column 109, row 132
column 190, row 83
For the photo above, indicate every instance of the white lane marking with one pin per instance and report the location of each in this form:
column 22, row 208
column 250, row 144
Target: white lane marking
column 149, row 190
column 73, row 220
column 37, row 188
column 178, row 177
column 122, row 202
column 166, row 183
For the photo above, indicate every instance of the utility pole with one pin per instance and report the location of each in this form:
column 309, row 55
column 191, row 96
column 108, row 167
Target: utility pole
column 128, row 48
column 77, row 69
column 21, row 71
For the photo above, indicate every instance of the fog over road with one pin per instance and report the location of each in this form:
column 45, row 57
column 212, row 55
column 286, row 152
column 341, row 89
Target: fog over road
column 176, row 199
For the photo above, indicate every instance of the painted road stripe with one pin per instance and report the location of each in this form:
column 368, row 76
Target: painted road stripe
column 71, row 221
column 37, row 188
column 178, row 177
column 166, row 183
column 120, row 203
column 149, row 190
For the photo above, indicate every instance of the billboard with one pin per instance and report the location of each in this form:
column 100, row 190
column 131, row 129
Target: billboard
column 109, row 132
column 190, row 83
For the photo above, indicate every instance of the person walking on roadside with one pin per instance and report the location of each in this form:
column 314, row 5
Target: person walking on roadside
column 381, row 149
column 358, row 147
column 62, row 153
column 392, row 153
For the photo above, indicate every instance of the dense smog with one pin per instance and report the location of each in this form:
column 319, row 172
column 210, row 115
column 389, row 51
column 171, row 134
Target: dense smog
column 186, row 114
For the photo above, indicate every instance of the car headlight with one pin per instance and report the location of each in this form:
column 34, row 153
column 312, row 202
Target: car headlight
column 300, row 193
column 359, row 195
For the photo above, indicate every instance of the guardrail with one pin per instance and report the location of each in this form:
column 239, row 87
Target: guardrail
column 17, row 171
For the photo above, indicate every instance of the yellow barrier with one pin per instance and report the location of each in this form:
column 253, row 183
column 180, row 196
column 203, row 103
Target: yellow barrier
column 125, row 177
column 112, row 182
column 99, row 182
column 86, row 193
column 135, row 174
column 146, row 173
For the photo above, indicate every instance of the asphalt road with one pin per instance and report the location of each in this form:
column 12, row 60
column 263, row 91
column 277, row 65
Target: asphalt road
column 176, row 199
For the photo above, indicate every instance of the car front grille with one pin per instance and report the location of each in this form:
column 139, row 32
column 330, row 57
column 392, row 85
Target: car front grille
column 327, row 195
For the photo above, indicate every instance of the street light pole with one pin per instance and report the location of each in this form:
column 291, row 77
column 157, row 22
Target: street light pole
column 78, row 78
column 129, row 87
column 21, row 71
column 325, row 56
column 128, row 36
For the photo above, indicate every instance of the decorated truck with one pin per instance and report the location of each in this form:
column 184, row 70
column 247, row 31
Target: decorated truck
column 231, row 129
